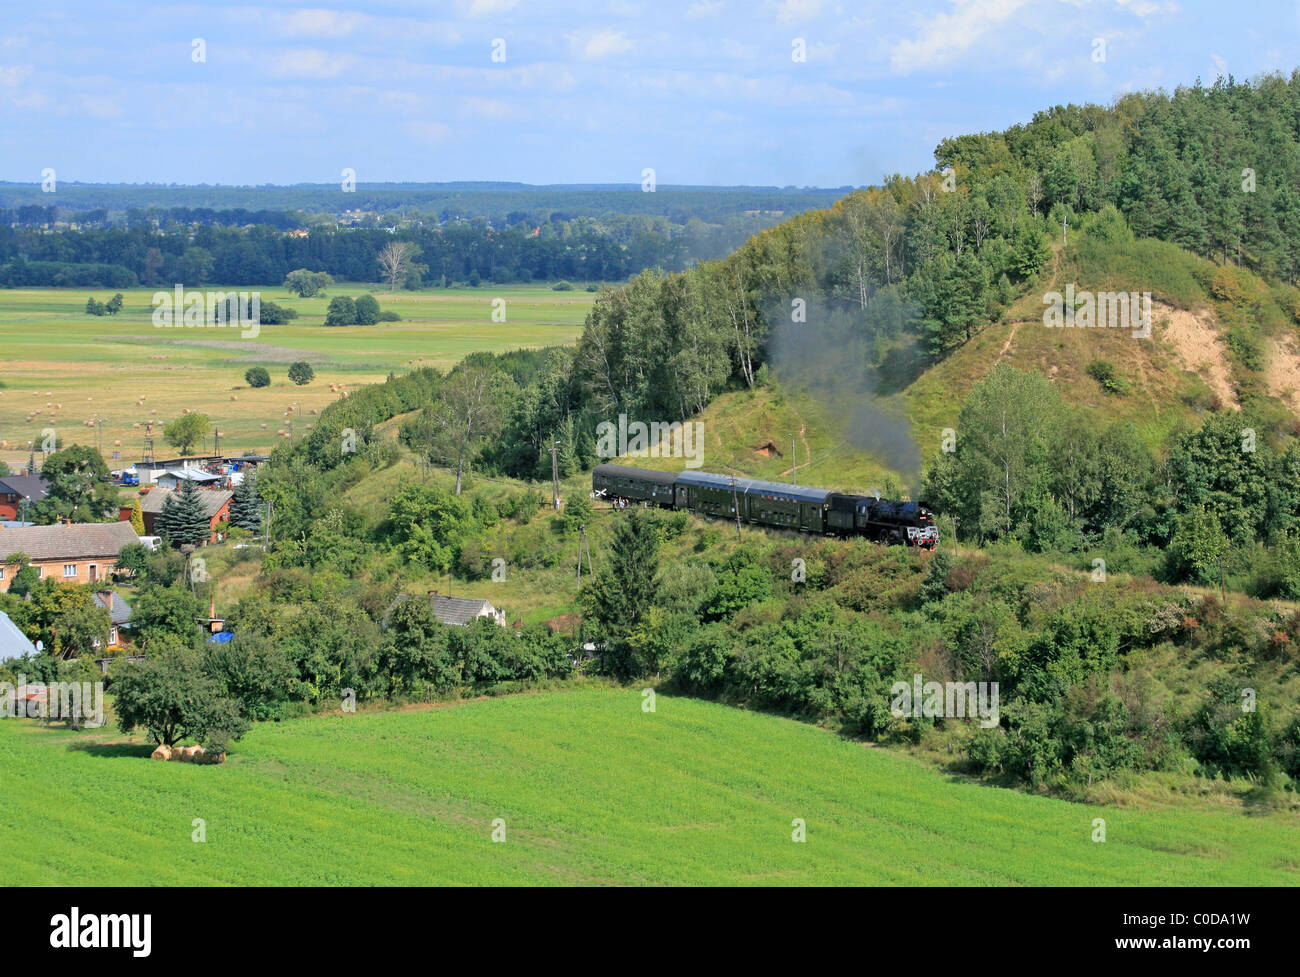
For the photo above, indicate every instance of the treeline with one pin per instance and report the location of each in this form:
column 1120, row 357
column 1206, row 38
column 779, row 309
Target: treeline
column 1086, row 670
column 1220, row 503
column 497, row 202
column 463, row 253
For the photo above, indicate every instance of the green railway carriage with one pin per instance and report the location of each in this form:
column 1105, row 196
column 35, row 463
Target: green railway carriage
column 766, row 503
column 633, row 484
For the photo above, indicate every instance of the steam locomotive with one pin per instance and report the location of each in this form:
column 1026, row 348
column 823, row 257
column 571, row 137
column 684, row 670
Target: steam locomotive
column 799, row 507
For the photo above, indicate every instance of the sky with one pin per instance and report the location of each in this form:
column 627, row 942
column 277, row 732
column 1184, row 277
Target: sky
column 700, row 91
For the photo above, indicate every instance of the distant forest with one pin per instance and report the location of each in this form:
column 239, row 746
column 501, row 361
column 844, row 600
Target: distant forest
column 119, row 237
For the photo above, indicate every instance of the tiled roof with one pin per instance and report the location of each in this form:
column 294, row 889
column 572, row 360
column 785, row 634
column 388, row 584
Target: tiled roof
column 458, row 610
column 67, row 542
column 119, row 611
column 24, row 485
column 213, row 500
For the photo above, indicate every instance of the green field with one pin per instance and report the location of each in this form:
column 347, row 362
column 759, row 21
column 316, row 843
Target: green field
column 56, row 359
column 592, row 790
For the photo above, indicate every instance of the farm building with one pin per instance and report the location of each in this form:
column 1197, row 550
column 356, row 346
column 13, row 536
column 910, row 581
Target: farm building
column 216, row 506
column 457, row 610
column 70, row 552
column 14, row 489
column 170, row 478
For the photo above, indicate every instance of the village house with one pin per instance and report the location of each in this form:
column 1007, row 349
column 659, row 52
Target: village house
column 68, row 552
column 14, row 489
column 216, row 507
column 459, row 611
column 119, row 614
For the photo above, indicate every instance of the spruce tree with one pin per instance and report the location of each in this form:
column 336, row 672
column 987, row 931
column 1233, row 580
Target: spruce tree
column 182, row 519
column 246, row 505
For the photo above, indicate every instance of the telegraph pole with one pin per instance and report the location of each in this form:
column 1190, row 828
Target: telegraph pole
column 794, row 462
column 555, row 473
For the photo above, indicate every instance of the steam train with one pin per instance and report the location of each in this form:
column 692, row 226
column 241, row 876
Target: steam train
column 798, row 507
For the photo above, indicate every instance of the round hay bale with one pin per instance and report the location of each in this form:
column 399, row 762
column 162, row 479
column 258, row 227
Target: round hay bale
column 163, row 752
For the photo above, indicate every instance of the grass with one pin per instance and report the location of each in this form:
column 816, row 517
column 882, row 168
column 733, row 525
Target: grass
column 56, row 354
column 591, row 790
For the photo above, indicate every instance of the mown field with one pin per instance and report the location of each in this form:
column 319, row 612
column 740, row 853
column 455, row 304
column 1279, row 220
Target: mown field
column 591, row 790
column 71, row 366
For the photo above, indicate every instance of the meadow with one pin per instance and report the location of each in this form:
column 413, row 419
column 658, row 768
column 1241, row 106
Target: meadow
column 73, row 367
column 591, row 790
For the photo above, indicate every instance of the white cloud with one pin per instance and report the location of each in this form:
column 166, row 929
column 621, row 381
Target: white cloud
column 788, row 11
column 705, row 8
column 428, row 131
column 602, row 44
column 945, row 37
column 321, row 23
column 488, row 8
column 310, row 63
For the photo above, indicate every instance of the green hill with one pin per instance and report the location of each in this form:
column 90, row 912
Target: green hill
column 591, row 789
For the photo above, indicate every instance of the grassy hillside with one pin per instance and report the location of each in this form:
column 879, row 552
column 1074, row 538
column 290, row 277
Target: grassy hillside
column 592, row 790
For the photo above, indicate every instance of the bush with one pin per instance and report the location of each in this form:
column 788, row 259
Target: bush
column 367, row 310
column 257, row 376
column 1103, row 371
column 342, row 311
column 562, row 287
column 387, row 316
column 301, row 373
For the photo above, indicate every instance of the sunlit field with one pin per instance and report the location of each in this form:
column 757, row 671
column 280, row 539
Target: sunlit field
column 63, row 367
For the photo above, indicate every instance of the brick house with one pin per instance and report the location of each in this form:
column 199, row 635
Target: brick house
column 14, row 489
column 68, row 552
column 216, row 506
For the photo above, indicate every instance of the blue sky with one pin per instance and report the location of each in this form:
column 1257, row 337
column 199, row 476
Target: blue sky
column 703, row 91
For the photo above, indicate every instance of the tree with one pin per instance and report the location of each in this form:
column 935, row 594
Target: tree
column 79, row 488
column 95, row 307
column 474, row 400
column 307, row 283
column 257, row 376
column 397, row 262
column 342, row 311
column 367, row 310
column 172, row 699
column 246, row 509
column 183, row 519
column 137, row 516
column 183, row 432
column 301, row 373
column 622, row 593
column 166, row 614
column 23, row 576
column 114, row 305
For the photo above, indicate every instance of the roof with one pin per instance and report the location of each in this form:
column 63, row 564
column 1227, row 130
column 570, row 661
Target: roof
column 152, row 501
column 67, row 541
column 458, row 610
column 780, row 490
column 190, row 475
column 119, row 611
column 13, row 643
column 28, row 486
column 622, row 471
column 450, row 610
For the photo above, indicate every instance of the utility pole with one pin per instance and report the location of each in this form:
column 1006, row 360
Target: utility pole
column 266, row 540
column 955, row 520
column 794, row 462
column 555, row 474
column 583, row 544
column 1065, row 228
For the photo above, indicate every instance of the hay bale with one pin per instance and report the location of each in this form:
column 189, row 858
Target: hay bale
column 163, row 752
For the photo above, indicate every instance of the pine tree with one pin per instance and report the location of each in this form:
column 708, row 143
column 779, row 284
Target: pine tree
column 246, row 505
column 182, row 519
